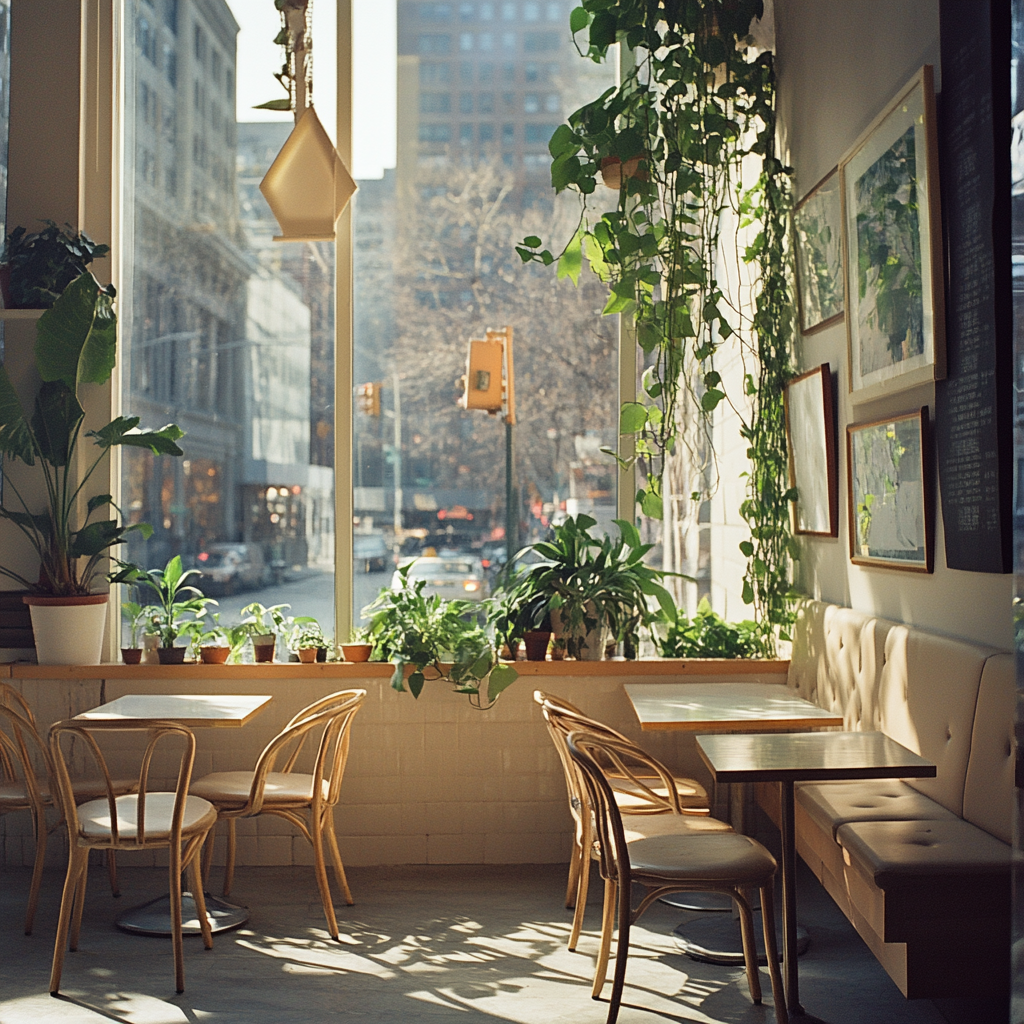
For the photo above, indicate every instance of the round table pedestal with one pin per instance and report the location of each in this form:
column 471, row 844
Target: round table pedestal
column 716, row 940
column 706, row 902
column 154, row 917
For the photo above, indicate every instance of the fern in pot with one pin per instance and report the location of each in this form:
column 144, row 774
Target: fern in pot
column 70, row 535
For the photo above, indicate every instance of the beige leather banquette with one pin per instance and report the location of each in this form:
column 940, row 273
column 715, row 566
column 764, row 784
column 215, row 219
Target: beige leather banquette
column 921, row 868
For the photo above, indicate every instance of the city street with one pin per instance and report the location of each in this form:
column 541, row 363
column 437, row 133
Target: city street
column 311, row 595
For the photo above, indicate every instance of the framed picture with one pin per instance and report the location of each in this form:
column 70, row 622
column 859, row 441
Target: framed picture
column 895, row 320
column 890, row 515
column 818, row 241
column 811, row 434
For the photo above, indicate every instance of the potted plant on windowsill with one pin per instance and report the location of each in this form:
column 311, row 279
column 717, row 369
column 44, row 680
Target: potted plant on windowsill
column 590, row 587
column 306, row 642
column 439, row 640
column 359, row 648
column 76, row 343
column 219, row 644
column 706, row 635
column 179, row 609
column 265, row 625
column 137, row 616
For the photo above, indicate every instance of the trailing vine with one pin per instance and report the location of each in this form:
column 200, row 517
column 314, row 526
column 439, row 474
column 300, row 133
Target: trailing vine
column 691, row 116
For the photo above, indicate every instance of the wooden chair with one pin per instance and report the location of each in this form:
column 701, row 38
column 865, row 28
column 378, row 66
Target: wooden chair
column 638, row 794
column 27, row 783
column 306, row 800
column 671, row 861
column 142, row 820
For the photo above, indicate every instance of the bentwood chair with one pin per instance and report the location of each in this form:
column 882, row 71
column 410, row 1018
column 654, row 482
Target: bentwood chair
column 27, row 784
column 143, row 820
column 639, row 794
column 673, row 860
column 307, row 800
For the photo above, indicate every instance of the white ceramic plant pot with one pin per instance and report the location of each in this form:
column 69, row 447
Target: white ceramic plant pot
column 68, row 630
column 591, row 647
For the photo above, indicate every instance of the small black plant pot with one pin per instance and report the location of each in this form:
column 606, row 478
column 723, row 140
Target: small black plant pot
column 171, row 655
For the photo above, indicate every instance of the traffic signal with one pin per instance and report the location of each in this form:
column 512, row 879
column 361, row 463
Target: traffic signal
column 483, row 383
column 368, row 399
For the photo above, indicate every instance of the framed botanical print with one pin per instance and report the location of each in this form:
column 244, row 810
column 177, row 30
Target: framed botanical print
column 895, row 321
column 889, row 497
column 818, row 242
column 811, row 436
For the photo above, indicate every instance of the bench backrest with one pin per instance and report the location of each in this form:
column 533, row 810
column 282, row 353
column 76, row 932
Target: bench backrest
column 949, row 700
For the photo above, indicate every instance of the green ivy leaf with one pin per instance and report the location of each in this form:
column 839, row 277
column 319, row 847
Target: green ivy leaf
column 710, row 399
column 652, row 505
column 632, row 418
column 747, row 548
column 579, row 19
column 533, row 241
column 570, row 264
column 748, row 592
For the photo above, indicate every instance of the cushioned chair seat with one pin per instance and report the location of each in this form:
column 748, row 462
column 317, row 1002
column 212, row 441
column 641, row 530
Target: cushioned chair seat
column 629, row 795
column 230, row 790
column 15, row 793
column 892, row 852
column 645, row 826
column 833, row 804
column 725, row 857
column 94, row 817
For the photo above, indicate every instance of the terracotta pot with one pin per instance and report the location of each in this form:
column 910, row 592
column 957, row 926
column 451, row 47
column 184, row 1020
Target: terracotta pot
column 357, row 652
column 171, row 655
column 307, row 655
column 68, row 630
column 131, row 655
column 214, row 655
column 536, row 643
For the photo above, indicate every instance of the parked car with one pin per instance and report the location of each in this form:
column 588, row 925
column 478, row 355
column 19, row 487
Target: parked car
column 227, row 568
column 458, row 577
column 369, row 552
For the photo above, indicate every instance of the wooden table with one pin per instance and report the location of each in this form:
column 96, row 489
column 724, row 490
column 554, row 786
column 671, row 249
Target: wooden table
column 787, row 758
column 725, row 707
column 197, row 711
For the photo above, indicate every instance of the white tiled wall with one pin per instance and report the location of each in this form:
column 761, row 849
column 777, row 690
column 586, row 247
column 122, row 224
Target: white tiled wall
column 428, row 781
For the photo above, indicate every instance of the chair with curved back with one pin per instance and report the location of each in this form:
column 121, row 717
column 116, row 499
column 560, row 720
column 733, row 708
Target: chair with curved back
column 640, row 796
column 27, row 784
column 673, row 860
column 145, row 819
column 307, row 800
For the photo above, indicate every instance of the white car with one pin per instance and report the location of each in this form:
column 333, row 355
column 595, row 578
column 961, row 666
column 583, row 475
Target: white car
column 456, row 577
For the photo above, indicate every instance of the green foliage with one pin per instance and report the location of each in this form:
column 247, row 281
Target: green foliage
column 412, row 630
column 43, row 264
column 707, row 635
column 588, row 581
column 306, row 635
column 695, row 111
column 137, row 616
column 213, row 634
column 76, row 343
column 180, row 608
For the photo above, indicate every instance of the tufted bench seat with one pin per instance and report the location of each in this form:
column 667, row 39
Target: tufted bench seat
column 920, row 867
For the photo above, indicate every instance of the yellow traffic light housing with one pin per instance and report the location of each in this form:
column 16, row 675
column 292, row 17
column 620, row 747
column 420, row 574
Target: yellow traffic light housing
column 368, row 399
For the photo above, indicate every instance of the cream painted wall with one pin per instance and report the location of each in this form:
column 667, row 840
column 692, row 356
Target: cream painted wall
column 839, row 63
column 43, row 184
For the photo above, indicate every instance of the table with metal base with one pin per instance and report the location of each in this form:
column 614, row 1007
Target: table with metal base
column 197, row 711
column 788, row 758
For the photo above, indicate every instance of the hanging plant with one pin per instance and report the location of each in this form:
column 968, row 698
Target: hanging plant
column 687, row 142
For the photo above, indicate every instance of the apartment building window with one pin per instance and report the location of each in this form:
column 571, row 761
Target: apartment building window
column 433, row 42
column 435, row 102
column 485, row 71
column 540, row 42
column 467, row 11
column 436, row 72
column 465, row 103
column 485, row 103
column 466, row 134
column 531, row 12
column 531, row 103
column 465, row 41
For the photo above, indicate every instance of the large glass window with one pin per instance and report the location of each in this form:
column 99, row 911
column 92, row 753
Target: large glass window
column 225, row 332
column 435, row 227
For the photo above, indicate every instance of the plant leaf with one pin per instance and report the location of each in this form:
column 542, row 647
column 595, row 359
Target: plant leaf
column 122, row 431
column 501, row 678
column 57, row 418
column 76, row 339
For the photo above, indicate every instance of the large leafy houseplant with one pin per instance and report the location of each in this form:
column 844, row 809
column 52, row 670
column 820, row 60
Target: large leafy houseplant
column 438, row 639
column 687, row 143
column 179, row 608
column 43, row 263
column 590, row 582
column 76, row 344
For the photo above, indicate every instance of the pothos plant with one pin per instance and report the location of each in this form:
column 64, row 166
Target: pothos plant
column 439, row 640
column 679, row 140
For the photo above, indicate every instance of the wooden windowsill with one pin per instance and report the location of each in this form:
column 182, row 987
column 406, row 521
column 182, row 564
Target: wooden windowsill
column 371, row 670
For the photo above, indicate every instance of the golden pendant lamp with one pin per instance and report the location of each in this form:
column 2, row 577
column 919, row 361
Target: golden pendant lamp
column 308, row 185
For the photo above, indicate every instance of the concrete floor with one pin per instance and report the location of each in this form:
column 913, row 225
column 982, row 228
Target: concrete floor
column 422, row 944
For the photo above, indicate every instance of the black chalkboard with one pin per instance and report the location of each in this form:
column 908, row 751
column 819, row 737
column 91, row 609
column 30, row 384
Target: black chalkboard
column 973, row 405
